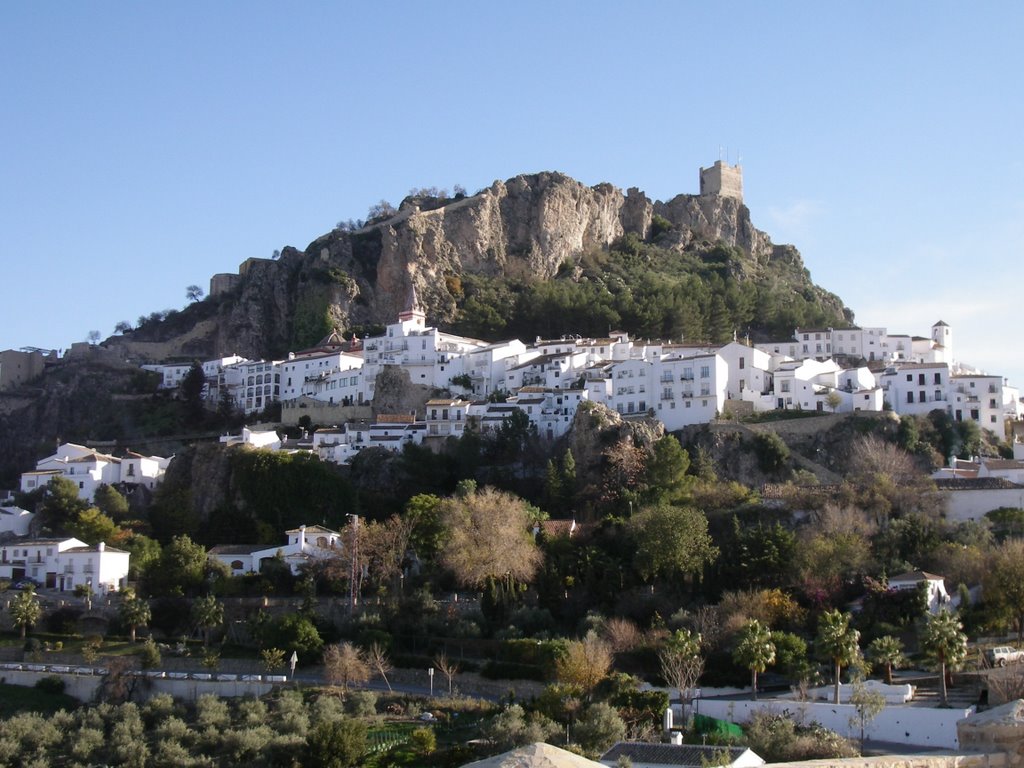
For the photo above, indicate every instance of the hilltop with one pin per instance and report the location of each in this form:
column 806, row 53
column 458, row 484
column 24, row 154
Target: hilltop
column 514, row 258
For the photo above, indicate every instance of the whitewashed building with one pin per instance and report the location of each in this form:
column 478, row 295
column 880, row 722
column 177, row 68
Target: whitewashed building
column 14, row 521
column 90, row 469
column 306, row 544
column 64, row 564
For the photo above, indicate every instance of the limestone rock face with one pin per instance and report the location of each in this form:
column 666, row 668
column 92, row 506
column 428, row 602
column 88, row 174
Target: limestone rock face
column 527, row 227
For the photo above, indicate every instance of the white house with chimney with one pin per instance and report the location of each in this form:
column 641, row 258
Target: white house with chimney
column 306, row 544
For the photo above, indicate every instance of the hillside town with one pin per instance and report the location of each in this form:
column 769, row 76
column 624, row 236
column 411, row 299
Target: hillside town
column 679, row 384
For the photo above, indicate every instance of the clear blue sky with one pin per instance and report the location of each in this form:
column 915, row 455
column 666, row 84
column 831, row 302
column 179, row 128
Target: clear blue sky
column 146, row 146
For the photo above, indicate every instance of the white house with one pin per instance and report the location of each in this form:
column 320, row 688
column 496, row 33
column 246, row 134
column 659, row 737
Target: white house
column 306, row 543
column 265, row 438
column 431, row 357
column 14, row 521
column 65, row 564
column 148, row 471
column 447, row 417
column 90, row 469
column 982, row 399
column 103, row 568
column 938, row 598
column 302, row 370
column 916, row 388
column 87, row 468
column 253, row 384
column 551, row 411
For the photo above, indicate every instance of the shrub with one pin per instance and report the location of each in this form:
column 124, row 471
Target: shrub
column 362, row 703
column 63, row 621
column 50, row 684
column 422, row 741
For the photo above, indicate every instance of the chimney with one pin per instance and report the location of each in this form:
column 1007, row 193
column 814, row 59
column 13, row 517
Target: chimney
column 302, row 538
column 101, row 547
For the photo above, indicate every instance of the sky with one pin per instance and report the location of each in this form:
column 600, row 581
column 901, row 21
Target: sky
column 146, row 146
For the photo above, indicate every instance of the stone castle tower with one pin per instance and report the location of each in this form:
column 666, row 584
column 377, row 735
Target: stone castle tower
column 722, row 179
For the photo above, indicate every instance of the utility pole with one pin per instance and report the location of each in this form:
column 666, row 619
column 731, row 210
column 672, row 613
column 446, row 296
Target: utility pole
column 353, row 597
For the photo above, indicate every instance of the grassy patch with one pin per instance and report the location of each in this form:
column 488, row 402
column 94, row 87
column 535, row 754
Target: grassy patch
column 19, row 698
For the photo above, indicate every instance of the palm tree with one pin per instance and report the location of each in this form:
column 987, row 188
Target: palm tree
column 888, row 652
column 944, row 642
column 837, row 642
column 207, row 613
column 25, row 610
column 134, row 611
column 755, row 650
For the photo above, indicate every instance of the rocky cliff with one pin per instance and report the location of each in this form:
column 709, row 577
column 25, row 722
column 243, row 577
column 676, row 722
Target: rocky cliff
column 526, row 229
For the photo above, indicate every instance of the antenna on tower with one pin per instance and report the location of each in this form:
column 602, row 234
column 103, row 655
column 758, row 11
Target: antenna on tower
column 739, row 157
column 719, row 153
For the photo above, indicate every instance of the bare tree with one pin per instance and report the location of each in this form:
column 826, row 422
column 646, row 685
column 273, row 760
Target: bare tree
column 377, row 656
column 448, row 668
column 194, row 293
column 345, row 665
column 681, row 662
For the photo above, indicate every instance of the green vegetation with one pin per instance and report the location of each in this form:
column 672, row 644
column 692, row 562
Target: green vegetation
column 652, row 292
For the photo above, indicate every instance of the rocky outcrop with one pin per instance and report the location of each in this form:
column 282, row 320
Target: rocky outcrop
column 525, row 228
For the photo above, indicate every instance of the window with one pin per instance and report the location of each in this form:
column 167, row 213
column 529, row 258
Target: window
column 743, row 361
column 920, row 378
column 938, row 378
column 910, row 397
column 236, row 565
column 992, row 418
column 705, row 371
column 785, row 386
column 910, row 377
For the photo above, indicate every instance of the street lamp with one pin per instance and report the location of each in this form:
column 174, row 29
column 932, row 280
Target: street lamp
column 293, row 661
column 430, row 672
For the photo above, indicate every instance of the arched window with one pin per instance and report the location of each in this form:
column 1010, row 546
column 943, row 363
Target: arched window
column 251, row 381
column 237, row 565
column 321, row 541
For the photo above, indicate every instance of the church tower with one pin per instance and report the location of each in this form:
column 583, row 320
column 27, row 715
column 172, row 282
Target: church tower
column 412, row 317
column 942, row 335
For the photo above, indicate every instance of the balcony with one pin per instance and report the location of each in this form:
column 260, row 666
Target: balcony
column 668, row 396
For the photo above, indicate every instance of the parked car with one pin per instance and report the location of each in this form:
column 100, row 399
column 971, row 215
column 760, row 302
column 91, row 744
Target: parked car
column 26, row 583
column 1002, row 655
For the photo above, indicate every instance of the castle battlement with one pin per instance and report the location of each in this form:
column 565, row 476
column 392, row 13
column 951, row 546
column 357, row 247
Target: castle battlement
column 722, row 179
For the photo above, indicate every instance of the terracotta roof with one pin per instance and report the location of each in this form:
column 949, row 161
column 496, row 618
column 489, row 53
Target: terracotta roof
column 975, row 484
column 1003, row 464
column 312, row 529
column 236, row 549
column 395, row 418
column 95, row 549
column 916, row 576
